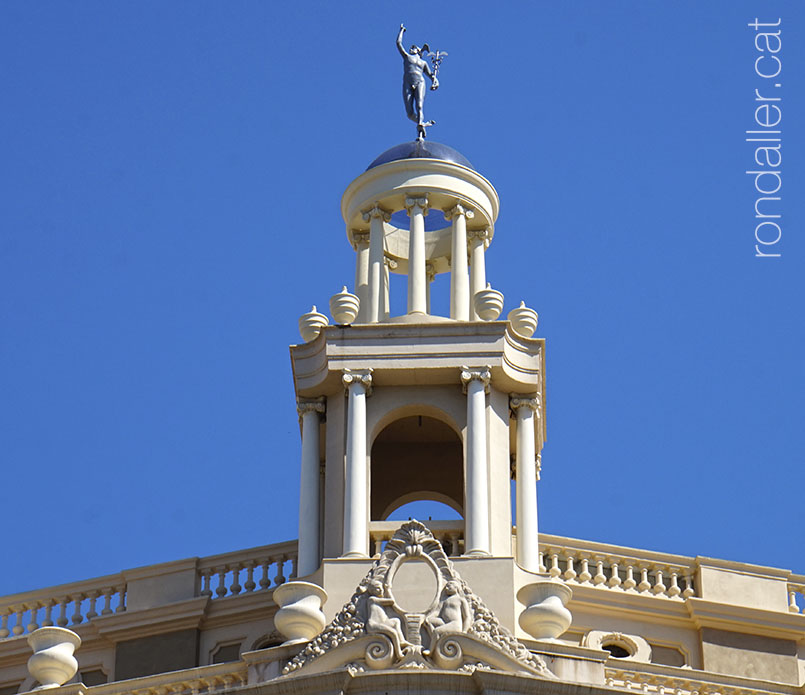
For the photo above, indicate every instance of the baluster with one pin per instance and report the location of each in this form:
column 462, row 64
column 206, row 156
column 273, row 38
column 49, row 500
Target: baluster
column 614, row 577
column 294, row 558
column 4, row 631
column 570, row 573
column 674, row 589
column 599, row 577
column 77, row 617
column 206, row 575
column 121, row 599
column 629, row 583
column 34, row 608
column 18, row 629
column 541, row 562
column 235, row 587
column 107, row 601
column 265, row 582
column 454, row 543
column 221, row 589
column 47, row 622
column 688, row 591
column 93, row 598
column 792, row 601
column 659, row 587
column 279, row 579
column 584, row 575
column 555, row 571
column 644, row 585
column 250, row 585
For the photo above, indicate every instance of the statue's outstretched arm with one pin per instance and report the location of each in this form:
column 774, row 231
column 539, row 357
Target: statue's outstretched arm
column 399, row 42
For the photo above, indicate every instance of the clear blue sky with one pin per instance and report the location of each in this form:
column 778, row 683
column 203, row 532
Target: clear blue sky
column 171, row 176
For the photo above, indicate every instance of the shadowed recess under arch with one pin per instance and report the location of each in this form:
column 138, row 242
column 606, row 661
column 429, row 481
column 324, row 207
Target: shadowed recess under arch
column 416, row 458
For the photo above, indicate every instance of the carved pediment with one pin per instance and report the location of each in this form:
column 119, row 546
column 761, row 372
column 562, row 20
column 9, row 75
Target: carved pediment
column 391, row 621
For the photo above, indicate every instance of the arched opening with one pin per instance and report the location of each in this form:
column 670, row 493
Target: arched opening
column 416, row 458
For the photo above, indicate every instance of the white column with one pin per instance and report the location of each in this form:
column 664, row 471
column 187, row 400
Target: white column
column 459, row 279
column 478, row 243
column 361, row 243
column 476, row 512
column 417, row 280
column 309, row 495
column 526, row 410
column 376, row 216
column 356, row 512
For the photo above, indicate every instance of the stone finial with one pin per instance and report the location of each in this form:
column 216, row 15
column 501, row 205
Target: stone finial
column 488, row 303
column 299, row 617
column 523, row 320
column 311, row 323
column 53, row 663
column 344, row 307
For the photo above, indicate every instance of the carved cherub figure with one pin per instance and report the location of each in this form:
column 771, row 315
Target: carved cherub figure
column 378, row 619
column 452, row 614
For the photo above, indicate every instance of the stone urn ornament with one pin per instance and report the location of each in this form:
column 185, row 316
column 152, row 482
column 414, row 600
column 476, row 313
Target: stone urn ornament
column 344, row 307
column 299, row 617
column 53, row 663
column 545, row 616
column 523, row 320
column 488, row 303
column 311, row 323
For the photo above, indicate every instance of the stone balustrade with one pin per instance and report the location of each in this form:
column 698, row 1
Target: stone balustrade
column 68, row 604
column 193, row 681
column 796, row 594
column 246, row 571
column 218, row 576
column 612, row 567
column 655, row 679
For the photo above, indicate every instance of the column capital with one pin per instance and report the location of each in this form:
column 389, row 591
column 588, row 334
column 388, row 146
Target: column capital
column 375, row 212
column 359, row 237
column 430, row 271
column 420, row 201
column 459, row 209
column 310, row 405
column 482, row 235
column 390, row 262
column 350, row 377
column 481, row 374
column 517, row 401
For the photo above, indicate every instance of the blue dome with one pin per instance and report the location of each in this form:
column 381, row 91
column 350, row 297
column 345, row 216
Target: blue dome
column 421, row 149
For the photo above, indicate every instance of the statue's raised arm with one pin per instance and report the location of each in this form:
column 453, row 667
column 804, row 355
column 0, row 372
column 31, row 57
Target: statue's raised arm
column 415, row 68
column 399, row 41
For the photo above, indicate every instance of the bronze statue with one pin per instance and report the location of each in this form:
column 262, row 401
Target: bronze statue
column 414, row 71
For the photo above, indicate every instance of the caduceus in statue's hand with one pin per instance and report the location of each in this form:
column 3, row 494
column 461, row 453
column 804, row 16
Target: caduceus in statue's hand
column 415, row 67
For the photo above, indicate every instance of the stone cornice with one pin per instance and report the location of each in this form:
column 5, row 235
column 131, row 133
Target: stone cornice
column 752, row 621
column 153, row 621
